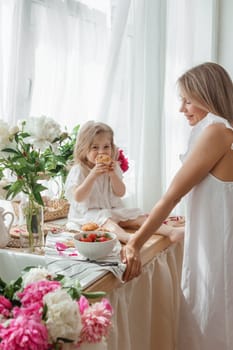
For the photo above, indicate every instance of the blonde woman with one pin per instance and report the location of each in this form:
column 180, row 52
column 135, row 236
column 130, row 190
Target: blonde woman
column 206, row 181
column 95, row 188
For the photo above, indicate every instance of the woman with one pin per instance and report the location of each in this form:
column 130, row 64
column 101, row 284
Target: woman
column 206, row 181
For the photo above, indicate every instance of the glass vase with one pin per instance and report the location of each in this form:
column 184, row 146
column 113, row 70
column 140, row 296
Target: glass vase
column 32, row 237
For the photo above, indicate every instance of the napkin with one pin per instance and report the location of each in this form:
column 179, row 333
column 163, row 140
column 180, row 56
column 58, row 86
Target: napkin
column 63, row 258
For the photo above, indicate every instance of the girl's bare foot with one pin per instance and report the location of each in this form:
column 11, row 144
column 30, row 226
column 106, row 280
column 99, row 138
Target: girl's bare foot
column 175, row 234
column 122, row 235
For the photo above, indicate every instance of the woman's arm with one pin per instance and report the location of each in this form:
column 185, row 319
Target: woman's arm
column 210, row 148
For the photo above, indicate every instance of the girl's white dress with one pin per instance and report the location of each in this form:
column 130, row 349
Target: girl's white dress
column 206, row 317
column 100, row 205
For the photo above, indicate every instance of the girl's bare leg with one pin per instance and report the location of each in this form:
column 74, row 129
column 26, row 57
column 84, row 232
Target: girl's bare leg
column 175, row 234
column 122, row 235
column 133, row 224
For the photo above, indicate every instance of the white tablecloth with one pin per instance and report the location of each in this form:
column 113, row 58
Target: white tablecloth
column 146, row 309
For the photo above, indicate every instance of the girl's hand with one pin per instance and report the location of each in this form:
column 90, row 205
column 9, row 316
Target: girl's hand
column 131, row 257
column 99, row 169
column 112, row 167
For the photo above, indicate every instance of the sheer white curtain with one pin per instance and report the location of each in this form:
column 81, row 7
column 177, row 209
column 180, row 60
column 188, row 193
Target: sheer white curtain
column 132, row 91
column 71, row 42
column 191, row 39
column 161, row 40
column 15, row 75
column 112, row 60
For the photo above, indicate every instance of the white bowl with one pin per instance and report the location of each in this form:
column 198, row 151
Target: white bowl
column 95, row 250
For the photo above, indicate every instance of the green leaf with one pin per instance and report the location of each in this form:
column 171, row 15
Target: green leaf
column 65, row 340
column 10, row 150
column 94, row 295
column 2, row 286
column 45, row 310
column 12, row 288
column 74, row 293
column 14, row 189
column 38, row 198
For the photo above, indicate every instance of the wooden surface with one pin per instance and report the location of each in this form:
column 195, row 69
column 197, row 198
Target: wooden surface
column 151, row 248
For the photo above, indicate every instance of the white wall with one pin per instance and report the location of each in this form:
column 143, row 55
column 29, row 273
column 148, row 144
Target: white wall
column 225, row 37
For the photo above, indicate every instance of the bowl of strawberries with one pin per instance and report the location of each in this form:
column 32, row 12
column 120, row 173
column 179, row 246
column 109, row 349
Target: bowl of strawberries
column 95, row 244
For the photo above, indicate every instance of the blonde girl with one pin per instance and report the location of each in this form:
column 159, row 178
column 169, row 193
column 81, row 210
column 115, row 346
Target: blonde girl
column 95, row 190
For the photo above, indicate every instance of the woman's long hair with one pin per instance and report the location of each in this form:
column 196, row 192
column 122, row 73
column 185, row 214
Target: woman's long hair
column 210, row 87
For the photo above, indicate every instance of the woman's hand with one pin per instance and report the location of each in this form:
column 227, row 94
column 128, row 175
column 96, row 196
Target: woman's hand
column 131, row 256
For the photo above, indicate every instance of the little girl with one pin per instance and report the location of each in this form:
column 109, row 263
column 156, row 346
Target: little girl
column 94, row 189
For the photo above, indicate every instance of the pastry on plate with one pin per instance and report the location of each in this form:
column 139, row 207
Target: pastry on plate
column 90, row 226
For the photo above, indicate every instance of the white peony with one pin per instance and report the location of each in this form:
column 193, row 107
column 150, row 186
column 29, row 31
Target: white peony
column 63, row 317
column 21, row 123
column 13, row 130
column 34, row 275
column 43, row 131
column 4, row 134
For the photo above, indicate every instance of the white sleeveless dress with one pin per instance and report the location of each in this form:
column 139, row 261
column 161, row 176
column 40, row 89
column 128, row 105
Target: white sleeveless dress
column 102, row 204
column 206, row 317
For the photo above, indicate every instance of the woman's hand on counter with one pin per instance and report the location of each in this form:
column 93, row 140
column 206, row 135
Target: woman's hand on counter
column 130, row 255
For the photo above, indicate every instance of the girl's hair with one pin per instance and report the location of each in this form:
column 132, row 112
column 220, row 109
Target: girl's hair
column 85, row 139
column 210, row 87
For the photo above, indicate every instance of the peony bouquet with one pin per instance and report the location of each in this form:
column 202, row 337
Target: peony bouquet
column 41, row 312
column 33, row 150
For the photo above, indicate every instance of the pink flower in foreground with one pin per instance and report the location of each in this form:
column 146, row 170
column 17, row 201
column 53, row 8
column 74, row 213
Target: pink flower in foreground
column 24, row 333
column 5, row 306
column 83, row 304
column 34, row 292
column 107, row 305
column 34, row 310
column 61, row 246
column 123, row 161
column 96, row 321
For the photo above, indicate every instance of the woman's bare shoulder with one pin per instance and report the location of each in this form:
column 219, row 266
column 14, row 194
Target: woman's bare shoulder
column 218, row 134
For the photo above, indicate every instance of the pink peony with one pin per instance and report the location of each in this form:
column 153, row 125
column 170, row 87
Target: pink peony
column 33, row 309
column 24, row 333
column 123, row 161
column 107, row 305
column 34, row 292
column 5, row 306
column 47, row 312
column 83, row 304
column 96, row 321
column 61, row 246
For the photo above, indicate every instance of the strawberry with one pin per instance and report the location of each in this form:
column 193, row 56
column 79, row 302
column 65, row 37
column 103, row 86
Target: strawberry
column 92, row 237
